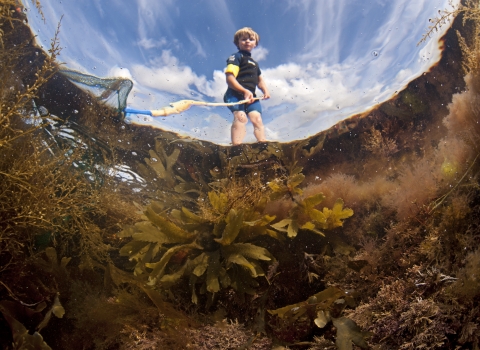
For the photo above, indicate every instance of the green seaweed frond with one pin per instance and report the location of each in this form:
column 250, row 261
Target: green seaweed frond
column 327, row 219
column 287, row 185
column 213, row 248
column 161, row 163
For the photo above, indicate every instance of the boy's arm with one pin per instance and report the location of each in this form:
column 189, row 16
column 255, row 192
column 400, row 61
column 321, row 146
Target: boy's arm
column 233, row 83
column 263, row 86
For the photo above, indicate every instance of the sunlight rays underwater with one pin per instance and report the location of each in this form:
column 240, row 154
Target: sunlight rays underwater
column 322, row 61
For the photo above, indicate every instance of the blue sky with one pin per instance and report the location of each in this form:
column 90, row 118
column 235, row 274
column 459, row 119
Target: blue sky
column 323, row 60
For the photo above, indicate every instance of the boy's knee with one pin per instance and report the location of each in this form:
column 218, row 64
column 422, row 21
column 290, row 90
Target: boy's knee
column 255, row 118
column 240, row 117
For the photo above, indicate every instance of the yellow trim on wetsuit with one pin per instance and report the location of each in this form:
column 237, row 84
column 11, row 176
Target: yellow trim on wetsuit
column 232, row 68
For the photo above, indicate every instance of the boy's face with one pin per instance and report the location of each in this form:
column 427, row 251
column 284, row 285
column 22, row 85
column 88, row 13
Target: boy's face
column 247, row 43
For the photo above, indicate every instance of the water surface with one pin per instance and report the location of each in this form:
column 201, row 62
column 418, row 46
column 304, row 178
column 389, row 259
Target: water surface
column 323, row 61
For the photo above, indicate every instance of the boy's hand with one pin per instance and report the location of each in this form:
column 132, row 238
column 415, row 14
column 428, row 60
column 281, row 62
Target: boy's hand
column 248, row 95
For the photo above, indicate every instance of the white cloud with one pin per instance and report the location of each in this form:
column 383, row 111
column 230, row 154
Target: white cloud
column 152, row 43
column 222, row 10
column 119, row 72
column 98, row 6
column 169, row 75
column 259, row 53
column 151, row 13
column 215, row 88
column 197, row 44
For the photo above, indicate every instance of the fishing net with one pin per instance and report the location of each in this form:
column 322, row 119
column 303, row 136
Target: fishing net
column 114, row 92
column 110, row 91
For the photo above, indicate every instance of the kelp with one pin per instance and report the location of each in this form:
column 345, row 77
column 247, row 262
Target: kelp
column 169, row 170
column 211, row 241
column 327, row 219
column 212, row 248
column 162, row 165
column 287, row 185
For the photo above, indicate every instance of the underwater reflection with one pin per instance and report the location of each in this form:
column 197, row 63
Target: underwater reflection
column 323, row 61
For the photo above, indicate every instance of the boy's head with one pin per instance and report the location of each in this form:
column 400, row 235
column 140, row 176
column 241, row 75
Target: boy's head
column 245, row 32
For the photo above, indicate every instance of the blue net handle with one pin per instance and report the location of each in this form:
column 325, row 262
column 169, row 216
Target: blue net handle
column 138, row 111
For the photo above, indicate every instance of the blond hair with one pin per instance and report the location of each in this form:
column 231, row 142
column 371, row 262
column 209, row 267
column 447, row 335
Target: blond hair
column 245, row 31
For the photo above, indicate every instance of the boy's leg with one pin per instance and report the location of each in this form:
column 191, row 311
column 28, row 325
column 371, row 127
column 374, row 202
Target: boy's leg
column 239, row 127
column 258, row 128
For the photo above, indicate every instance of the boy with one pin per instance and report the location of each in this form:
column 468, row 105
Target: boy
column 243, row 75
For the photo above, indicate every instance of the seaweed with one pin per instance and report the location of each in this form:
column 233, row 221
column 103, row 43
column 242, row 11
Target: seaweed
column 322, row 308
column 26, row 321
column 403, row 268
column 327, row 219
column 123, row 312
column 213, row 247
column 22, row 339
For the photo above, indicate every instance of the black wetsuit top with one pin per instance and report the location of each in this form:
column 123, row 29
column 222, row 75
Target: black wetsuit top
column 248, row 72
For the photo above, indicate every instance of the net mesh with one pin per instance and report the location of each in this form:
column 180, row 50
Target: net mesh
column 111, row 91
